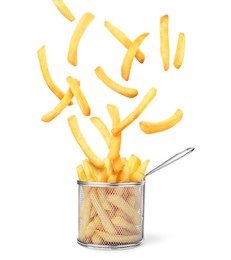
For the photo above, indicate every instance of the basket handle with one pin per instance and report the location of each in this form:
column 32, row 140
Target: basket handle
column 173, row 159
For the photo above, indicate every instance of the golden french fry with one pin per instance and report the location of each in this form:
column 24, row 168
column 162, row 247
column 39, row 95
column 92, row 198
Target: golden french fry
column 92, row 226
column 134, row 191
column 102, row 198
column 88, row 171
column 99, row 175
column 138, row 175
column 117, row 165
column 133, row 115
column 130, row 55
column 124, row 161
column 120, row 213
column 114, row 150
column 124, row 175
column 96, row 239
column 120, row 36
column 127, row 92
column 59, row 108
column 123, row 223
column 85, row 20
column 124, row 193
column 124, row 206
column 119, row 191
column 108, row 226
column 79, row 96
column 98, row 123
column 81, row 173
column 112, row 178
column 46, row 74
column 132, row 200
column 109, row 238
column 150, row 128
column 133, row 163
column 164, row 41
column 142, row 168
column 93, row 213
column 63, row 9
column 108, row 166
column 180, row 50
column 93, row 158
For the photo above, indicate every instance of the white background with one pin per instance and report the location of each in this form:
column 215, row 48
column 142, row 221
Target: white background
column 188, row 205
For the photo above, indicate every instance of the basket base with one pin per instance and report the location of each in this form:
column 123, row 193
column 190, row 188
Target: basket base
column 109, row 247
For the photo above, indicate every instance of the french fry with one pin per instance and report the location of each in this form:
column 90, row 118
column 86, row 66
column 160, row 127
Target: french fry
column 83, row 23
column 98, row 123
column 102, row 198
column 133, row 115
column 63, row 9
column 138, row 175
column 114, row 150
column 164, row 41
column 132, row 200
column 93, row 213
column 59, row 108
column 108, row 226
column 99, row 174
column 109, row 238
column 93, row 158
column 133, row 163
column 127, row 92
column 92, row 226
column 124, row 175
column 134, row 191
column 96, row 239
column 117, row 165
column 88, row 171
column 120, row 36
column 123, row 223
column 79, row 96
column 124, row 206
column 130, row 55
column 81, row 173
column 180, row 50
column 112, row 178
column 119, row 191
column 102, row 174
column 125, row 194
column 108, row 166
column 46, row 74
column 120, row 213
column 124, row 161
column 150, row 128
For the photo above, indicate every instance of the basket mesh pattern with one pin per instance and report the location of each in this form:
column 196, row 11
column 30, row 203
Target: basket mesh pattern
column 110, row 216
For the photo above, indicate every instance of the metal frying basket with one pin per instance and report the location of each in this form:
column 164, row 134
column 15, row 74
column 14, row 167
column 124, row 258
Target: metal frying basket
column 111, row 215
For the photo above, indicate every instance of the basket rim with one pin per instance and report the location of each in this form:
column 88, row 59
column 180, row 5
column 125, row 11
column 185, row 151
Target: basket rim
column 110, row 184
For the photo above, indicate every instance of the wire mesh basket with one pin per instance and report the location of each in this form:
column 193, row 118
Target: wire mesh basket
column 111, row 215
